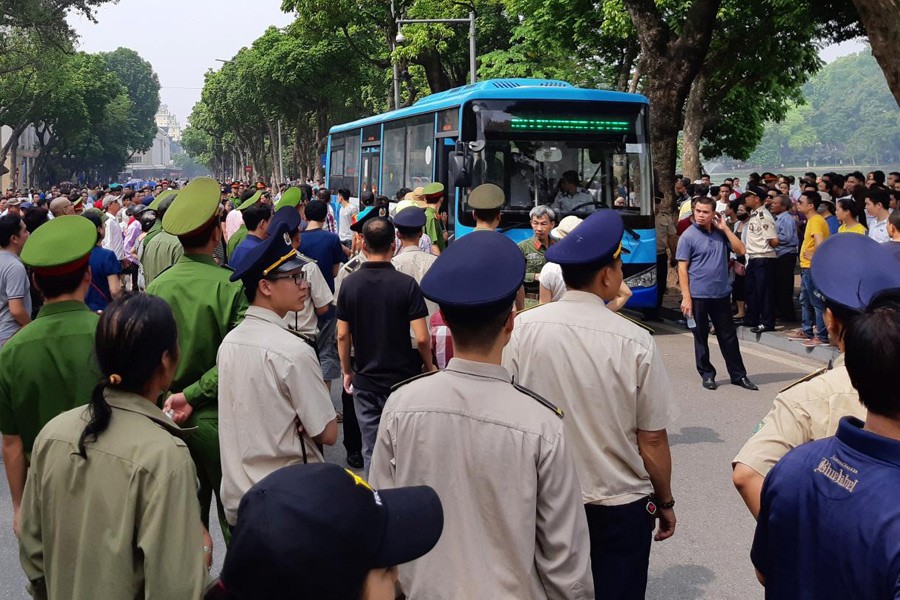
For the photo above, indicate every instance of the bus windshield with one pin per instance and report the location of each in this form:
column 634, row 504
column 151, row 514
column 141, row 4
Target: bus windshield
column 575, row 159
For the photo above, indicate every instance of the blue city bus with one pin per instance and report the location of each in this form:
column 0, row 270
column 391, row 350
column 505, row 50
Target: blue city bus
column 522, row 135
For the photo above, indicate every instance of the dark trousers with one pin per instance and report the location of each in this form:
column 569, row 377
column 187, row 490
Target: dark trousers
column 758, row 285
column 717, row 310
column 783, row 288
column 352, row 436
column 620, row 549
column 369, row 406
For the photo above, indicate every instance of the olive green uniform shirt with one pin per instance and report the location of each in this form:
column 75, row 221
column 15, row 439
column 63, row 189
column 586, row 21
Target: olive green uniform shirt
column 47, row 368
column 125, row 523
column 535, row 258
column 207, row 306
column 154, row 230
column 239, row 236
column 434, row 228
column 161, row 252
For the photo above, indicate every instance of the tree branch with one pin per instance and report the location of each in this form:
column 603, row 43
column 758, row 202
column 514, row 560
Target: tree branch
column 381, row 64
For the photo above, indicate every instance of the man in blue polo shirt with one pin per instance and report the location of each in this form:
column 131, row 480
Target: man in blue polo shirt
column 829, row 524
column 702, row 256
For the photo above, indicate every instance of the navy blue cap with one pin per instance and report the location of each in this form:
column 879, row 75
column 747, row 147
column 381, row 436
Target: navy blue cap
column 275, row 254
column 412, row 217
column 484, row 270
column 598, row 239
column 289, row 216
column 371, row 212
column 315, row 531
column 753, row 191
column 854, row 288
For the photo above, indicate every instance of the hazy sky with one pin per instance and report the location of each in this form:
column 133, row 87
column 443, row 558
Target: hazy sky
column 180, row 38
column 183, row 38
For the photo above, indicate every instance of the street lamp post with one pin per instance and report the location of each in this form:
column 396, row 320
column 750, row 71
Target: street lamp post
column 401, row 39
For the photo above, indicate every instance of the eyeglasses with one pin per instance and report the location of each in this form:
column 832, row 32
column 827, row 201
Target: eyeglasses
column 299, row 278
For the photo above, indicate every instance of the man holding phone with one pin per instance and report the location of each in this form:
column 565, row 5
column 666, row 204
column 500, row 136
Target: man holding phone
column 702, row 256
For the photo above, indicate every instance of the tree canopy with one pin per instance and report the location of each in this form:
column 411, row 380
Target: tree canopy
column 848, row 116
column 717, row 71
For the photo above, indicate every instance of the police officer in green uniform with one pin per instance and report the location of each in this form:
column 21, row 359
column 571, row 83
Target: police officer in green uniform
column 46, row 367
column 207, row 306
column 485, row 202
column 161, row 249
column 434, row 227
column 242, row 232
column 291, row 197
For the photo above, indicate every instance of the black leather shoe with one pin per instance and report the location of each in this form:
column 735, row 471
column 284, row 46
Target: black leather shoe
column 710, row 384
column 355, row 460
column 760, row 329
column 746, row 384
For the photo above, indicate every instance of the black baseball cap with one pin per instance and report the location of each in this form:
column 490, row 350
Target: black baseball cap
column 315, row 531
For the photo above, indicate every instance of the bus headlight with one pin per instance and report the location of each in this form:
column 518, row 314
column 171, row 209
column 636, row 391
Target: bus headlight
column 643, row 279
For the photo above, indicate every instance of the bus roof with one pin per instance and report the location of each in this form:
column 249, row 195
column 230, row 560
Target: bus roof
column 496, row 89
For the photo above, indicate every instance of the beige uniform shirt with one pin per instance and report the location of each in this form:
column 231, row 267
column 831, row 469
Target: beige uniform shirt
column 804, row 411
column 514, row 526
column 125, row 523
column 760, row 229
column 306, row 321
column 606, row 373
column 347, row 269
column 412, row 261
column 269, row 379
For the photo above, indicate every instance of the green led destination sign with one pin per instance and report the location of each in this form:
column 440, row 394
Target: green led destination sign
column 585, row 125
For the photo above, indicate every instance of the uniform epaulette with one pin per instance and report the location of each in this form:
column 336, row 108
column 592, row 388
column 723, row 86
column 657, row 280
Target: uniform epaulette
column 397, row 386
column 556, row 410
column 805, row 378
column 351, row 265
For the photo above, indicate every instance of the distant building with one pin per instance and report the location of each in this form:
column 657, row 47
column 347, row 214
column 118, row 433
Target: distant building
column 155, row 162
column 168, row 123
column 19, row 164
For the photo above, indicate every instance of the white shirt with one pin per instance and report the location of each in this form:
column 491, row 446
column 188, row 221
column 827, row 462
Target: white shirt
column 320, row 295
column 269, row 379
column 114, row 240
column 607, row 374
column 552, row 279
column 344, row 222
column 878, row 230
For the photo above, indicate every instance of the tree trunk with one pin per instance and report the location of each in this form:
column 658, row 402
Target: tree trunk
column 434, row 72
column 881, row 18
column 628, row 58
column 670, row 64
column 695, row 115
column 275, row 175
column 14, row 159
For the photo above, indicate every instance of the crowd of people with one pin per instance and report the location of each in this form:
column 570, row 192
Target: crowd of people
column 174, row 348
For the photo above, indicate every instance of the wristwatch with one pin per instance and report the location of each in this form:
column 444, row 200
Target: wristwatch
column 660, row 504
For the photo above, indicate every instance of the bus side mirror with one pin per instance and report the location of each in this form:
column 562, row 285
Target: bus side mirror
column 461, row 169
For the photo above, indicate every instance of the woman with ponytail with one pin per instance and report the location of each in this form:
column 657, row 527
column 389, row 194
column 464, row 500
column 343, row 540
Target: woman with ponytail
column 110, row 507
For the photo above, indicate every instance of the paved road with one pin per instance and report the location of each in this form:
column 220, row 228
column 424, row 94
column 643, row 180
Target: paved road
column 709, row 555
